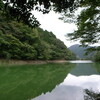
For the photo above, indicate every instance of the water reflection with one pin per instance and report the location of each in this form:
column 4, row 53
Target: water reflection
column 85, row 82
column 63, row 92
column 84, row 69
column 23, row 82
column 82, row 76
column 72, row 88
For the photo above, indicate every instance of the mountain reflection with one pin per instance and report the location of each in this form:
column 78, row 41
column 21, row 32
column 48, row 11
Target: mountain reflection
column 72, row 88
column 83, row 76
column 84, row 69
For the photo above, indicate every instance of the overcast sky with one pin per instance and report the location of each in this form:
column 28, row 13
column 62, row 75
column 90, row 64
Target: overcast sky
column 51, row 23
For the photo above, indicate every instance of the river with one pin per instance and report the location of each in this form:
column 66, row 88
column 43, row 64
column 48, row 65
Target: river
column 84, row 75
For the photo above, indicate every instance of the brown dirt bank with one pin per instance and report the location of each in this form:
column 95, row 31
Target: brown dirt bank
column 20, row 62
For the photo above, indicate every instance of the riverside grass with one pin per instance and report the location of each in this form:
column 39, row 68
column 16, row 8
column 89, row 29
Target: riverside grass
column 24, row 82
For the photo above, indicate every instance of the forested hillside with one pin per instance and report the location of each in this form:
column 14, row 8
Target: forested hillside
column 81, row 51
column 18, row 41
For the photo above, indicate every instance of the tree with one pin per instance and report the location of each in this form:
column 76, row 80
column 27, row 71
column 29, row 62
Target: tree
column 97, row 56
column 91, row 95
column 21, row 9
column 87, row 22
column 18, row 41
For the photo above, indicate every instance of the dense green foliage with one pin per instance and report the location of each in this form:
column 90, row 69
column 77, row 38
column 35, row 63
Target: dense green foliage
column 58, row 48
column 18, row 41
column 87, row 21
column 25, row 82
column 21, row 9
column 97, row 56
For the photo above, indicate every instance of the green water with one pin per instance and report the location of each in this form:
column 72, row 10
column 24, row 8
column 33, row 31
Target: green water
column 97, row 66
column 24, row 82
column 86, row 69
column 44, row 81
column 84, row 75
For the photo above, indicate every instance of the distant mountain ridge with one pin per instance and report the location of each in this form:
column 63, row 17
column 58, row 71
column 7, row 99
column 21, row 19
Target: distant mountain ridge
column 80, row 51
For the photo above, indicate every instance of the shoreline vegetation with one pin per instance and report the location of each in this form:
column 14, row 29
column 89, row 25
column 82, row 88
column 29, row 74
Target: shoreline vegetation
column 22, row 62
column 18, row 41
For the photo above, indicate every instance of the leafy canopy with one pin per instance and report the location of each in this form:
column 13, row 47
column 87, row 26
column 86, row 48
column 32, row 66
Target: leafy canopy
column 18, row 41
column 21, row 9
column 88, row 23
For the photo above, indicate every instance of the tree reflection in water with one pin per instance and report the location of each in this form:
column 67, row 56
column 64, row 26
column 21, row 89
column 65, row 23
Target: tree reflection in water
column 91, row 95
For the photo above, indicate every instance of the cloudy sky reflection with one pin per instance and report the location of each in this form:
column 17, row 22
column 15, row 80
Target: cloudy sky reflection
column 82, row 76
column 72, row 88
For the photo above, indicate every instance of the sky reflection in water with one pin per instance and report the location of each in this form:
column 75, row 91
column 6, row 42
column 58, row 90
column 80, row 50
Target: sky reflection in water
column 83, row 76
column 89, row 82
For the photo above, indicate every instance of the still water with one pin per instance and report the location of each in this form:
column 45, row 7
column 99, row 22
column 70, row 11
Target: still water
column 84, row 75
column 62, row 81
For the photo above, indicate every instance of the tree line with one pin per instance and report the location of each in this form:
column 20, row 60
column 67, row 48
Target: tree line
column 18, row 41
column 87, row 21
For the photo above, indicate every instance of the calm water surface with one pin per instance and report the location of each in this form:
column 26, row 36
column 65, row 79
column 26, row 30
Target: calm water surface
column 63, row 81
column 85, row 75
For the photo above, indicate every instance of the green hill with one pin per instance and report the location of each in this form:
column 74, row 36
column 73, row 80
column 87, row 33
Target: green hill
column 18, row 41
column 80, row 51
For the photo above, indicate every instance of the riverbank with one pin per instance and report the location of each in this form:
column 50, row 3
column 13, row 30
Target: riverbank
column 21, row 62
